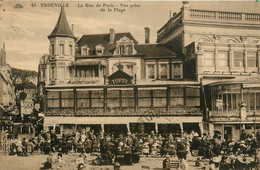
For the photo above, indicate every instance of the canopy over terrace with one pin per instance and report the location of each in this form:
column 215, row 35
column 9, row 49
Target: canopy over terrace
column 60, row 121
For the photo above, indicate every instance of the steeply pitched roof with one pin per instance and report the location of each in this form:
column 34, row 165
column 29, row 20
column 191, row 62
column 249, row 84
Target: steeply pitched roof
column 154, row 51
column 62, row 28
column 146, row 50
column 92, row 40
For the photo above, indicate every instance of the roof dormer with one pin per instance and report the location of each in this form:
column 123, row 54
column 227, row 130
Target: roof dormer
column 99, row 49
column 125, row 46
column 85, row 50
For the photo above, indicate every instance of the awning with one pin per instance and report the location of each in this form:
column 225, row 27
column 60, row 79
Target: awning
column 152, row 88
column 251, row 85
column 88, row 62
column 124, row 89
column 59, row 89
column 90, row 89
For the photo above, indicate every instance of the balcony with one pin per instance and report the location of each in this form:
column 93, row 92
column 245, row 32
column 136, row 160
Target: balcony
column 234, row 115
column 124, row 112
column 206, row 17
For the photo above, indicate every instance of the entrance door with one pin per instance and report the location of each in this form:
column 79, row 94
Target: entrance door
column 227, row 133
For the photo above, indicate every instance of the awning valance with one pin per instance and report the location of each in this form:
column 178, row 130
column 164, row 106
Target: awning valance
column 152, row 88
column 88, row 62
column 90, row 89
column 53, row 90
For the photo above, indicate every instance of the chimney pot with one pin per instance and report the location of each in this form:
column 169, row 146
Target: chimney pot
column 147, row 35
column 111, row 35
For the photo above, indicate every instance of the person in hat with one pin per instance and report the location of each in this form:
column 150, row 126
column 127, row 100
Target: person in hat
column 214, row 164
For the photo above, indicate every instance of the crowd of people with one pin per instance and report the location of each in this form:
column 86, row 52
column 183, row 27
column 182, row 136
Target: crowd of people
column 126, row 149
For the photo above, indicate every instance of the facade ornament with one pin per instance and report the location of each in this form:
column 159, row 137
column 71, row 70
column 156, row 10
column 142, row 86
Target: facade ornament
column 243, row 38
column 216, row 37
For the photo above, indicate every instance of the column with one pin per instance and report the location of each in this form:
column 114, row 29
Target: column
column 156, row 128
column 136, row 98
column 170, row 69
column 181, row 126
column 75, row 99
column 223, row 131
column 103, row 128
column 258, row 59
column 245, row 60
column 168, row 99
column 60, row 100
column 128, row 127
column 230, row 55
column 105, row 99
column 157, row 69
column 201, row 127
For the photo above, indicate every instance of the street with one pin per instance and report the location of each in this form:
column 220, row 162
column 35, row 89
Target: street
column 35, row 162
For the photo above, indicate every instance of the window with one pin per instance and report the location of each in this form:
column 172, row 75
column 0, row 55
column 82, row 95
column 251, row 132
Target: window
column 223, row 59
column 85, row 50
column 121, row 49
column 129, row 49
column 251, row 60
column 71, row 51
column 238, row 59
column 151, row 74
column 209, row 59
column 52, row 49
column 163, row 71
column 177, row 70
column 62, row 49
column 129, row 69
column 176, row 97
column 52, row 73
column 99, row 49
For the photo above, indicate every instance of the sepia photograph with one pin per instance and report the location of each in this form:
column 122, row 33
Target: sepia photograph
column 121, row 85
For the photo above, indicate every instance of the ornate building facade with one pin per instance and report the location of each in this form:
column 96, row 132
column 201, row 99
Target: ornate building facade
column 109, row 82
column 221, row 50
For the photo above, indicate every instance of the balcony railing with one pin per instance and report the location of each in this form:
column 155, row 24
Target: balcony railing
column 188, row 14
column 234, row 114
column 125, row 112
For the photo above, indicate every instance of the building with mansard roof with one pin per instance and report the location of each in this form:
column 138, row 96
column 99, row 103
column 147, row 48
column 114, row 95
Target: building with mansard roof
column 221, row 50
column 109, row 82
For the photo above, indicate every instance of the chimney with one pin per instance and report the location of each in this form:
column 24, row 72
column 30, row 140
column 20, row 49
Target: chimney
column 111, row 35
column 3, row 56
column 147, row 35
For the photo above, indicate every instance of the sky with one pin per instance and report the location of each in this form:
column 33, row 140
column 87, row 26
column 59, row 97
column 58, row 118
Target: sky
column 24, row 30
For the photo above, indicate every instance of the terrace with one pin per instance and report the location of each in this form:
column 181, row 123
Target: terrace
column 209, row 17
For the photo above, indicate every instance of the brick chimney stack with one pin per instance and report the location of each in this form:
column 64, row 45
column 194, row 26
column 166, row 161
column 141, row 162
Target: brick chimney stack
column 111, row 35
column 147, row 35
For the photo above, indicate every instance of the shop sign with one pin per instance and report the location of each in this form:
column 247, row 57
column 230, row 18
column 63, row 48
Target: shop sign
column 120, row 77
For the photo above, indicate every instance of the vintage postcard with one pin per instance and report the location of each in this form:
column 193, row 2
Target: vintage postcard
column 101, row 85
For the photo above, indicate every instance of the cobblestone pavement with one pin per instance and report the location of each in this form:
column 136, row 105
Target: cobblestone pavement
column 35, row 162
